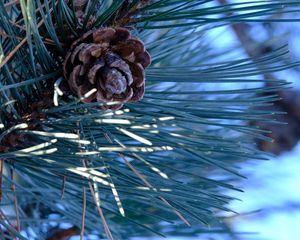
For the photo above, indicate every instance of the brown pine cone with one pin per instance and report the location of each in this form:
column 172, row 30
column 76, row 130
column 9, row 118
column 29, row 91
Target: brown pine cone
column 110, row 60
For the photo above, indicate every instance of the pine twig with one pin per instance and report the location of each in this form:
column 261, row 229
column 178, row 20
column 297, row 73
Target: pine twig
column 11, row 3
column 140, row 176
column 4, row 218
column 83, row 212
column 1, row 177
column 63, row 187
column 13, row 188
column 12, row 53
column 106, row 228
column 105, row 225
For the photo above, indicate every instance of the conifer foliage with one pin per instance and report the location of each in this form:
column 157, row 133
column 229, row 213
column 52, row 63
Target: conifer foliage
column 111, row 121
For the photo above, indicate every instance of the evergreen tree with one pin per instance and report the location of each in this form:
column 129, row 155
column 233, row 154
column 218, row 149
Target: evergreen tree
column 121, row 118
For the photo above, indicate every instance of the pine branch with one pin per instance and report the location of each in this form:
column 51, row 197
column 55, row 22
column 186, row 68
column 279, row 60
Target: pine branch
column 144, row 158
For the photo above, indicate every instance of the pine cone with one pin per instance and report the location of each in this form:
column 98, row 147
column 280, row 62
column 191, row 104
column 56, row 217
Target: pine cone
column 110, row 60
